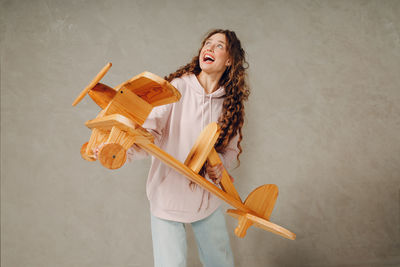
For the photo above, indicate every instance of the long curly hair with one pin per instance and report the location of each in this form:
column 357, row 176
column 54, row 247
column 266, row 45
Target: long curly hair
column 234, row 80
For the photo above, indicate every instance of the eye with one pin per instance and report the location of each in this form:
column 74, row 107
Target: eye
column 220, row 46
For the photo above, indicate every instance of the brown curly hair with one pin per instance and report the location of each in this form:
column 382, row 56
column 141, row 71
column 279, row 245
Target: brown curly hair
column 234, row 80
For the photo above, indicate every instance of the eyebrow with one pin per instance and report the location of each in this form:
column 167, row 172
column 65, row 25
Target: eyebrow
column 217, row 41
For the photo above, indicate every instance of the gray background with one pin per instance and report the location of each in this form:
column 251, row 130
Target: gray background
column 323, row 123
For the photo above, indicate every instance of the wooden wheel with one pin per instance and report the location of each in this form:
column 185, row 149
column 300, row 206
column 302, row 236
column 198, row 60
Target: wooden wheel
column 112, row 156
column 84, row 155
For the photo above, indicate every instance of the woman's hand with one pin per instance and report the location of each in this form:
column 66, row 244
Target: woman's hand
column 97, row 150
column 131, row 152
column 215, row 172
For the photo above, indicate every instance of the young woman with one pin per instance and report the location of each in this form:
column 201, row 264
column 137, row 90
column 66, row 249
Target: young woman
column 213, row 88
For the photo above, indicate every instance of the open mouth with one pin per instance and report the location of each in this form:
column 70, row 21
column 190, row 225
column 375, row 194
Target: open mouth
column 208, row 58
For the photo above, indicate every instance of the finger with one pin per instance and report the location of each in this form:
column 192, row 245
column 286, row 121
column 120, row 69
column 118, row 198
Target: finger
column 216, row 181
column 220, row 167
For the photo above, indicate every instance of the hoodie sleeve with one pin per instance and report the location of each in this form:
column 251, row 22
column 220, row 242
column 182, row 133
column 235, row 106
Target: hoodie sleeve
column 229, row 157
column 155, row 124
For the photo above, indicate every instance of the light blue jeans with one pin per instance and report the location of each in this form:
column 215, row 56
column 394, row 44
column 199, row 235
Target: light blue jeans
column 169, row 242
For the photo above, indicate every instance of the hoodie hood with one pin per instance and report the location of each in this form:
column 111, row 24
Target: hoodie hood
column 206, row 99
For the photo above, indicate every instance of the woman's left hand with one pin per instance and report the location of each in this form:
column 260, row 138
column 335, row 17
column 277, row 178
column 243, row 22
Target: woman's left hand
column 215, row 172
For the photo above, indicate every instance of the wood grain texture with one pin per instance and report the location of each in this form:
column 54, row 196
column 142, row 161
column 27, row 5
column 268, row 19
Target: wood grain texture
column 84, row 155
column 244, row 223
column 202, row 147
column 97, row 137
column 123, row 138
column 106, row 123
column 152, row 89
column 102, row 94
column 129, row 105
column 262, row 200
column 261, row 223
column 112, row 156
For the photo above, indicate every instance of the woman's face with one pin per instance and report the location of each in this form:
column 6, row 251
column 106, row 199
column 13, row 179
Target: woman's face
column 214, row 57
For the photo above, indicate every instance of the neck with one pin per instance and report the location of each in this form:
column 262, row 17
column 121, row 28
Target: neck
column 210, row 82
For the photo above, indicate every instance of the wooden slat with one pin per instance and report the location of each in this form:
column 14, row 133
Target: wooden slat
column 97, row 137
column 129, row 105
column 263, row 224
column 152, row 89
column 203, row 146
column 123, row 138
column 107, row 122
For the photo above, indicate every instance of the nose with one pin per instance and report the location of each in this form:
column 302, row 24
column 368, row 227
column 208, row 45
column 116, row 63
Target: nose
column 211, row 47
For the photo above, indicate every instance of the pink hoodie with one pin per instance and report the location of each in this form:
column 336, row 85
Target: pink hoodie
column 176, row 127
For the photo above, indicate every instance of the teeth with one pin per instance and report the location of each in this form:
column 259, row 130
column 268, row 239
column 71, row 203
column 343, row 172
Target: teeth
column 208, row 57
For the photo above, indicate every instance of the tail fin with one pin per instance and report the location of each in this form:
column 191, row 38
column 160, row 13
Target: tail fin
column 262, row 200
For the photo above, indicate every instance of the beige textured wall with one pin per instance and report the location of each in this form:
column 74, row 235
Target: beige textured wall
column 323, row 123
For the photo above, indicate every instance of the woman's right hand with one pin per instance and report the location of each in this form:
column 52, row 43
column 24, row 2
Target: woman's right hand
column 132, row 153
column 215, row 172
column 97, row 150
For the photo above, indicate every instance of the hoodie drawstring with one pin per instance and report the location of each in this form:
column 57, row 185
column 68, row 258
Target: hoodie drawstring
column 202, row 113
column 206, row 194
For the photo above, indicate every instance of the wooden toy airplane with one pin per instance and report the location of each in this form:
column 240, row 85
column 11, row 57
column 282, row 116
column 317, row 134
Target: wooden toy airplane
column 124, row 110
column 118, row 126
